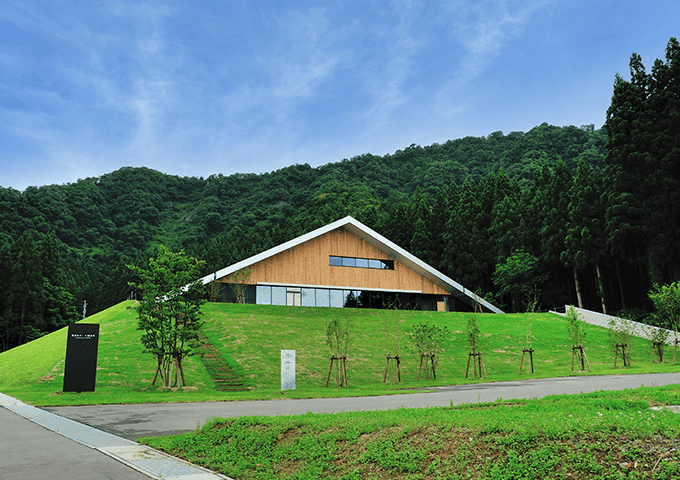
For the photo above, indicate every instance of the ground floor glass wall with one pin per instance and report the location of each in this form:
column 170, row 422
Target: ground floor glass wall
column 337, row 298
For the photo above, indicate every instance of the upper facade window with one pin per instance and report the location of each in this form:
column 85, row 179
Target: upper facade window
column 360, row 262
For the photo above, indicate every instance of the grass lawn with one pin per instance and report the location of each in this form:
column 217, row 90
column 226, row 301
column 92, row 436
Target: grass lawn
column 603, row 435
column 250, row 337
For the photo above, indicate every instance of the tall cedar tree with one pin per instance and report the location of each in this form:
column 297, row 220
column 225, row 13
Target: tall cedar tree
column 585, row 241
column 643, row 179
column 552, row 197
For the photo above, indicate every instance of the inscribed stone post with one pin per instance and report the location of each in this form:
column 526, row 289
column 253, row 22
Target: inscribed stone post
column 287, row 369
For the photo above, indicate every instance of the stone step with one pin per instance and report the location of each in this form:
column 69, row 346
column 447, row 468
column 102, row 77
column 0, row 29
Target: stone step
column 224, row 377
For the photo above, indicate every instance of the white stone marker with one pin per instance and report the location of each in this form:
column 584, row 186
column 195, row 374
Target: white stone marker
column 287, row 369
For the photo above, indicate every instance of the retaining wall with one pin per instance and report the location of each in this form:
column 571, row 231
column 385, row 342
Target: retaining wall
column 641, row 330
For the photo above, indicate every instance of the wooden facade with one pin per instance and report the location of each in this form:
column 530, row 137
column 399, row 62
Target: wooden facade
column 307, row 264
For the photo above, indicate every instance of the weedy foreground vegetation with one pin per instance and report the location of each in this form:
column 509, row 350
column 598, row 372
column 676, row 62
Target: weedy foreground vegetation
column 603, row 435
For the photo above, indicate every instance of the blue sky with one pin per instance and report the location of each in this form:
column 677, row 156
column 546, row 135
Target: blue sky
column 196, row 89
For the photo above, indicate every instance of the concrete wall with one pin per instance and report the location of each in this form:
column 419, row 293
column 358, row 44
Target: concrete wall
column 641, row 330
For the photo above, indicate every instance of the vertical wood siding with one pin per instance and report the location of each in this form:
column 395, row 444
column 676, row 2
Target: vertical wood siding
column 307, row 264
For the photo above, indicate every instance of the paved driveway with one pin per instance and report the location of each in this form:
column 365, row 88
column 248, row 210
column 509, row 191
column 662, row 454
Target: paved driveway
column 135, row 421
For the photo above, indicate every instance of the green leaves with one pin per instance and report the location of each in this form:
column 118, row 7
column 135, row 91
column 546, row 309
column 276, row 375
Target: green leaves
column 472, row 333
column 575, row 327
column 427, row 338
column 643, row 181
column 36, row 301
column 170, row 311
column 517, row 276
column 666, row 299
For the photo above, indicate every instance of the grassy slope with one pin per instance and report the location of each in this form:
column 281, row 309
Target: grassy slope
column 34, row 372
column 253, row 336
column 256, row 334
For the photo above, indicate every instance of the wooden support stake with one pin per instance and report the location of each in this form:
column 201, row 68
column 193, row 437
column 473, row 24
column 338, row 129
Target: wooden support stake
column 330, row 369
column 426, row 356
column 616, row 354
column 343, row 370
column 583, row 358
column 531, row 357
column 622, row 346
column 583, row 351
column 657, row 347
column 477, row 365
column 626, row 362
column 387, row 365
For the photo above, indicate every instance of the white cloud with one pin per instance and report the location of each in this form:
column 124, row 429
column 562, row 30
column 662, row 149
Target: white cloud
column 484, row 28
column 401, row 48
column 307, row 55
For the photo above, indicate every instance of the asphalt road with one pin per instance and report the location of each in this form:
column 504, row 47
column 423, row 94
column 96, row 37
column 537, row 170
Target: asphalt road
column 29, row 452
column 143, row 420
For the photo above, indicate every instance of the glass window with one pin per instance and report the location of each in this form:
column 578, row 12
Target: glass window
column 349, row 262
column 293, row 298
column 337, row 299
column 350, row 299
column 278, row 295
column 264, row 295
column 374, row 264
column 336, row 261
column 376, row 300
column 250, row 294
column 322, row 297
column 388, row 264
column 363, row 298
column 308, row 297
column 362, row 262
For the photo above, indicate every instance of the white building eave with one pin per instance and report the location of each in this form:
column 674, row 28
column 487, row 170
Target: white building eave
column 378, row 241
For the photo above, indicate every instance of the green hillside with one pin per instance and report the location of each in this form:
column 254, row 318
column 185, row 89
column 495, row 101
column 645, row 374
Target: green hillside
column 103, row 223
column 251, row 336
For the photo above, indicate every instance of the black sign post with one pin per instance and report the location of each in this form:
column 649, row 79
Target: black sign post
column 80, row 370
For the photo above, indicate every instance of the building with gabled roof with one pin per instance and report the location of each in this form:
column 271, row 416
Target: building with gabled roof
column 346, row 264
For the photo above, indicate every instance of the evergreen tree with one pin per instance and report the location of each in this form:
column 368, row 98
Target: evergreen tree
column 6, row 325
column 661, row 188
column 643, row 183
column 585, row 240
column 552, row 207
column 437, row 228
column 25, row 294
column 454, row 235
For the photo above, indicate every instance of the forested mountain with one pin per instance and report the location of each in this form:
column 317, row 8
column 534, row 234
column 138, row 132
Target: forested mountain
column 580, row 215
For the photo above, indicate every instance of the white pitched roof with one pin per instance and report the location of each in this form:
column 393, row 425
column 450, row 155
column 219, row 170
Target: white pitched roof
column 378, row 241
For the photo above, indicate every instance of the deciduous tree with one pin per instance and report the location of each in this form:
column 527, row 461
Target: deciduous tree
column 169, row 313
